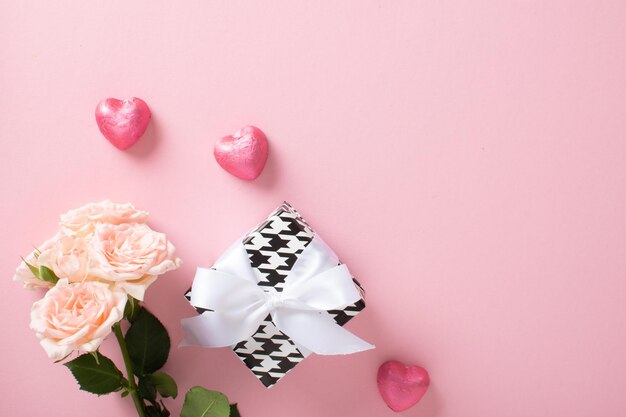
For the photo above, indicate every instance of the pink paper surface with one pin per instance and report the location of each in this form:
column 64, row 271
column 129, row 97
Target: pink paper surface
column 465, row 159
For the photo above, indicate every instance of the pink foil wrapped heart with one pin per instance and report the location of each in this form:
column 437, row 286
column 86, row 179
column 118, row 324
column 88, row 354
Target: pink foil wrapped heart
column 122, row 122
column 400, row 385
column 243, row 154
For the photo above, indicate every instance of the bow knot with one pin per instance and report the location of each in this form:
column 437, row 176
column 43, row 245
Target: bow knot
column 273, row 300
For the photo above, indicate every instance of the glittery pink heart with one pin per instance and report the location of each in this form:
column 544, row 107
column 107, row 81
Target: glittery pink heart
column 243, row 153
column 122, row 122
column 400, row 385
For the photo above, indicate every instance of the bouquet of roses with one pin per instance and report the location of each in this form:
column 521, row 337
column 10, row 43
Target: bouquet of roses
column 95, row 271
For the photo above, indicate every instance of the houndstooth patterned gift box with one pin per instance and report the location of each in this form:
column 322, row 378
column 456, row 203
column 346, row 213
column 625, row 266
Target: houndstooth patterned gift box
column 273, row 248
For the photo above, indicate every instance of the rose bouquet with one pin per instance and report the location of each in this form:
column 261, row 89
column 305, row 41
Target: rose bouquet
column 95, row 271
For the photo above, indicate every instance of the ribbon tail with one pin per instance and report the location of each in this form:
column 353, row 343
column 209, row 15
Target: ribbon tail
column 212, row 329
column 318, row 332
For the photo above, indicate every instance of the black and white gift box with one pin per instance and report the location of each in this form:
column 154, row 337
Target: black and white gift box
column 273, row 252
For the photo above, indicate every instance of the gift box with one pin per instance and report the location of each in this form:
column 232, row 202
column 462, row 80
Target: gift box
column 301, row 289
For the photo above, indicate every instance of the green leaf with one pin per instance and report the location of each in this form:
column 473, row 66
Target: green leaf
column 32, row 268
column 98, row 377
column 234, row 412
column 200, row 402
column 164, row 384
column 146, row 389
column 47, row 274
column 148, row 343
column 156, row 411
column 132, row 309
column 153, row 411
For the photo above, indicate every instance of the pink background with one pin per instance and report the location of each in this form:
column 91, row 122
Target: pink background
column 466, row 159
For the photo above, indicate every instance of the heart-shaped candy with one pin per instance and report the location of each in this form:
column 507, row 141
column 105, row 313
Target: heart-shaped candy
column 243, row 153
column 400, row 385
column 122, row 122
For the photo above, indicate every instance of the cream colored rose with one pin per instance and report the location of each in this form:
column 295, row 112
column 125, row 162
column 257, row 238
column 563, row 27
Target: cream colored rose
column 76, row 316
column 23, row 272
column 130, row 256
column 67, row 257
column 83, row 219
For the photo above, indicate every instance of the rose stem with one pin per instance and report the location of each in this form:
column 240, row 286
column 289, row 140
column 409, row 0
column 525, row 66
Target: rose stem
column 132, row 387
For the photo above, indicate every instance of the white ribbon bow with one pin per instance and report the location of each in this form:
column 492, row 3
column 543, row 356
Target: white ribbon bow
column 314, row 285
